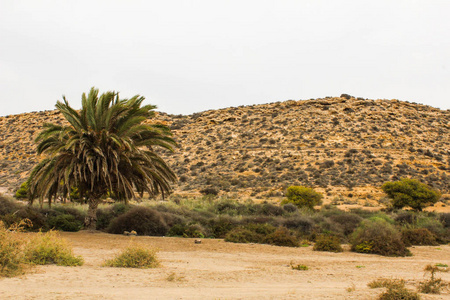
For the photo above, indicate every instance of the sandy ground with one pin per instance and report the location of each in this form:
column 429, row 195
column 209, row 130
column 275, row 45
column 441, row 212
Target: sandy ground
column 218, row 270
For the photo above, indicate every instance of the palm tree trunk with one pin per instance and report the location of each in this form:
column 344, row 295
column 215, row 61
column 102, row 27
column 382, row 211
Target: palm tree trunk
column 90, row 222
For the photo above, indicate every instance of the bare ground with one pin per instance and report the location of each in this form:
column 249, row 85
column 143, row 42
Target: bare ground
column 215, row 269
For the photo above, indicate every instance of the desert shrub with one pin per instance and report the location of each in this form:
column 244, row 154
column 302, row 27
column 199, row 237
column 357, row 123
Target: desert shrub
column 398, row 293
column 77, row 214
column 65, row 222
column 445, row 219
column 363, row 213
column 410, row 192
column 290, row 207
column 48, row 248
column 347, row 221
column 432, row 285
column 382, row 216
column 298, row 222
column 282, row 237
column 11, row 253
column 134, row 256
column 188, row 231
column 302, row 197
column 221, row 225
column 145, row 221
column 22, row 192
column 405, row 217
column 195, row 231
column 105, row 216
column 378, row 237
column 418, row 236
column 268, row 209
column 328, row 243
column 257, row 220
column 209, row 191
column 7, row 206
column 37, row 219
column 243, row 235
column 434, row 225
column 261, row 228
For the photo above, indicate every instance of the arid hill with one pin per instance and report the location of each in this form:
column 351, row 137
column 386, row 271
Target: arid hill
column 346, row 147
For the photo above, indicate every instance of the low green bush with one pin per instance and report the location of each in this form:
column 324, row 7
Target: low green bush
column 378, row 237
column 300, row 223
column 143, row 220
column 328, row 243
column 65, row 222
column 134, row 256
column 347, row 221
column 418, row 237
column 243, row 235
column 220, row 226
column 105, row 216
column 282, row 237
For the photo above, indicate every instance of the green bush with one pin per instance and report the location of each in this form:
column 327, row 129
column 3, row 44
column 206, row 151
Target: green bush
column 268, row 209
column 195, row 231
column 105, row 216
column 378, row 237
column 282, row 237
column 302, row 197
column 435, row 226
column 328, row 243
column 298, row 222
column 134, row 256
column 145, row 221
column 221, row 225
column 290, row 207
column 347, row 221
column 76, row 213
column 243, row 235
column 22, row 192
column 410, row 192
column 405, row 217
column 65, row 222
column 48, row 248
column 445, row 219
column 418, row 237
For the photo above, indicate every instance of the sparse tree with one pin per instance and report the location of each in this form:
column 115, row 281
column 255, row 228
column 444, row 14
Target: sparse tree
column 410, row 192
column 106, row 148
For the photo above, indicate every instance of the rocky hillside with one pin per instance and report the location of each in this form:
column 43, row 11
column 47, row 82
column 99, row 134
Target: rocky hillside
column 344, row 146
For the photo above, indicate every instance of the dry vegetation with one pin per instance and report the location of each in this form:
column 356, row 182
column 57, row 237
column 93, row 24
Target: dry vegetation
column 345, row 147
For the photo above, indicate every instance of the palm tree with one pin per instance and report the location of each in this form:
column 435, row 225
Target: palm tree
column 106, row 148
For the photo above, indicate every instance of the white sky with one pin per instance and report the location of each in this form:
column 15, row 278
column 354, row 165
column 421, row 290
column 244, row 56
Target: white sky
column 190, row 56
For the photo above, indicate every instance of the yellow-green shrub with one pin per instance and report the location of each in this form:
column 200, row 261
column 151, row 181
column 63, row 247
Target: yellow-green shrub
column 11, row 254
column 134, row 256
column 48, row 248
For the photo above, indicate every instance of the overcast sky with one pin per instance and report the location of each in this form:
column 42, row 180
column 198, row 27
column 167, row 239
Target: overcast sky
column 191, row 56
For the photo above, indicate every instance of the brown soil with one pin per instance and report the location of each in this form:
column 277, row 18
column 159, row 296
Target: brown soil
column 215, row 269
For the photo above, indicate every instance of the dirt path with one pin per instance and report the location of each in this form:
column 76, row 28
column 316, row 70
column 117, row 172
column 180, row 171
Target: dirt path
column 218, row 270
